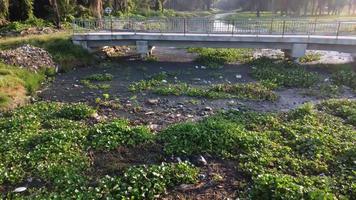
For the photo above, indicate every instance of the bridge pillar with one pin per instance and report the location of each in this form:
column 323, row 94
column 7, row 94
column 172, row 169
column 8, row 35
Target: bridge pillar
column 84, row 44
column 142, row 48
column 297, row 51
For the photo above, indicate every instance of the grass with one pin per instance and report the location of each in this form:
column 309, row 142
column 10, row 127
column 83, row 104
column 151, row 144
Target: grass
column 59, row 45
column 215, row 58
column 16, row 83
column 283, row 73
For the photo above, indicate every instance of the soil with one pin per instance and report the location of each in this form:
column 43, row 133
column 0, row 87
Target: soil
column 219, row 178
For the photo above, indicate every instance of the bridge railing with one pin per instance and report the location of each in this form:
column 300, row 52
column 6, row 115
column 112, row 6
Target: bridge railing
column 209, row 26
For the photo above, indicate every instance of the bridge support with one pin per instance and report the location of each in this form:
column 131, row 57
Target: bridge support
column 84, row 44
column 297, row 51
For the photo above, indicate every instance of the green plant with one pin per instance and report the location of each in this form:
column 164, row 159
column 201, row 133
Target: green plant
column 254, row 91
column 214, row 58
column 100, row 77
column 310, row 57
column 118, row 132
column 77, row 111
column 153, row 81
column 283, row 73
column 344, row 108
column 345, row 77
column 147, row 182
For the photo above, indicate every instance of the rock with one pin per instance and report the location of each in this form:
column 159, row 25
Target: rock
column 208, row 108
column 185, row 187
column 203, row 67
column 196, row 79
column 202, row 176
column 179, row 159
column 20, row 189
column 164, row 81
column 153, row 101
column 153, row 127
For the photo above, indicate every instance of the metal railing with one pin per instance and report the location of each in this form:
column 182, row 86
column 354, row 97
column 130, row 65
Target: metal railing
column 210, row 26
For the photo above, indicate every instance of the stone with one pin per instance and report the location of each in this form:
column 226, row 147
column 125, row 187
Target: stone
column 208, row 108
column 153, row 127
column 153, row 101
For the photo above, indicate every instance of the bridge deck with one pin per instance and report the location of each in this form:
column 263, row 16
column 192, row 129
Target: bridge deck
column 337, row 43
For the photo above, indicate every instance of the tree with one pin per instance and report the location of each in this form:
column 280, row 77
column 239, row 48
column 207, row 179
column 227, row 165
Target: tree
column 20, row 10
column 4, row 9
column 57, row 15
column 96, row 8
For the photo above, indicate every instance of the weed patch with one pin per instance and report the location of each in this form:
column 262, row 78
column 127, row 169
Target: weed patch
column 346, row 109
column 310, row 57
column 253, row 91
column 284, row 154
column 283, row 73
column 100, row 77
column 345, row 77
column 214, row 58
column 110, row 135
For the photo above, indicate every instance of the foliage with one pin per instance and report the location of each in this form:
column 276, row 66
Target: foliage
column 110, row 135
column 100, row 77
column 147, row 182
column 254, row 91
column 154, row 81
column 18, row 26
column 345, row 77
column 77, row 112
column 283, row 153
column 310, row 57
column 37, row 143
column 283, row 73
column 272, row 186
column 344, row 108
column 217, row 57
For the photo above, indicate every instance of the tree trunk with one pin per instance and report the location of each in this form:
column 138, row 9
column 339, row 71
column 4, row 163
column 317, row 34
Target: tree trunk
column 96, row 8
column 57, row 16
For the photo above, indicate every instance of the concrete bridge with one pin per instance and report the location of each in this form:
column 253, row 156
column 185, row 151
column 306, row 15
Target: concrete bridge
column 293, row 36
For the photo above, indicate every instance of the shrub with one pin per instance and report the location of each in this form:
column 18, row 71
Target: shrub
column 283, row 73
column 118, row 132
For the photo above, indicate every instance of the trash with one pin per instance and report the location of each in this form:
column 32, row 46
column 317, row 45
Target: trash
column 20, row 189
